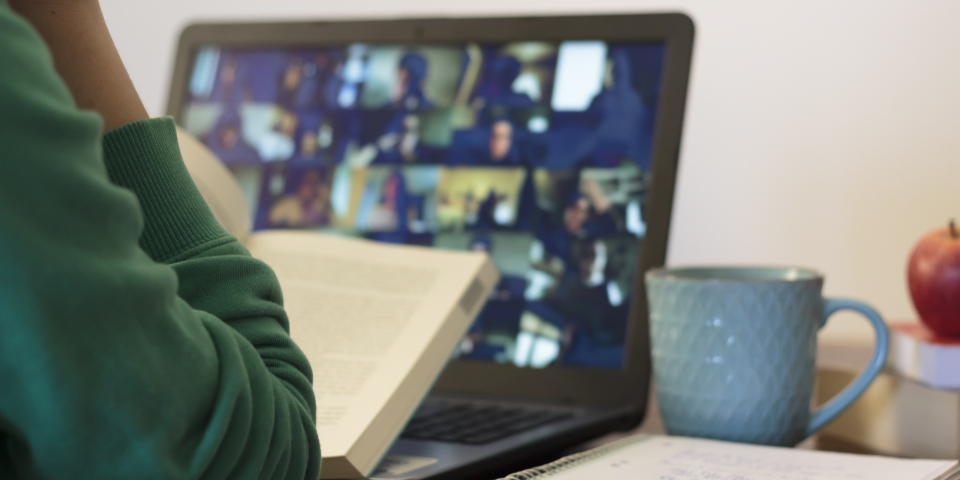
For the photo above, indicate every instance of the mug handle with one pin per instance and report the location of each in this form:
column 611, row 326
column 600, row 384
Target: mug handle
column 842, row 400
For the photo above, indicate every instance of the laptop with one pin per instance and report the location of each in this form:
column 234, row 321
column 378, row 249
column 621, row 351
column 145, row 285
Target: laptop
column 549, row 142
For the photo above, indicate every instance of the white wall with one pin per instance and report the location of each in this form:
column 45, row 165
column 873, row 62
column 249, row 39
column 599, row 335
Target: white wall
column 818, row 133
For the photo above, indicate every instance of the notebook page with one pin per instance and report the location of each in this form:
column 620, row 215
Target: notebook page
column 676, row 458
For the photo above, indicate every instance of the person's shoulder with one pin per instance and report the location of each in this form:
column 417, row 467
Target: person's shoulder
column 26, row 66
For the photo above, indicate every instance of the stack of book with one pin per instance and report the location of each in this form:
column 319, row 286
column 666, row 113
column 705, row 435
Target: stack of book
column 912, row 409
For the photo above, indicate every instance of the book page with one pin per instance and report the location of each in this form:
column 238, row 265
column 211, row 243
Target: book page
column 363, row 313
column 217, row 186
column 677, row 458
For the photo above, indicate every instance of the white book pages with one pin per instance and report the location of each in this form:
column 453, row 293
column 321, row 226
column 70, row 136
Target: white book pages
column 217, row 186
column 378, row 323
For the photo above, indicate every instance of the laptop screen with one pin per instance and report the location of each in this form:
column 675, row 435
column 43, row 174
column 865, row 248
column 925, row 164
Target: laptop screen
column 535, row 152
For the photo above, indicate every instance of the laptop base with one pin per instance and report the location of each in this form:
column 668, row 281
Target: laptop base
column 412, row 459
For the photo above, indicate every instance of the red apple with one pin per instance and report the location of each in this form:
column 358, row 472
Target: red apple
column 934, row 277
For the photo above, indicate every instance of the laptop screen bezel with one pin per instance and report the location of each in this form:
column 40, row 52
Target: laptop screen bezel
column 568, row 385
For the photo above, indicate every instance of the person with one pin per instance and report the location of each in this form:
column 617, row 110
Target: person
column 408, row 92
column 399, row 141
column 305, row 83
column 388, row 219
column 309, row 206
column 279, row 143
column 500, row 315
column 584, row 291
column 228, row 88
column 329, row 64
column 398, row 148
column 487, row 146
column 308, row 151
column 488, row 213
column 500, row 145
column 291, row 85
column 226, row 141
column 593, row 307
column 137, row 338
column 496, row 96
column 314, row 137
column 587, row 214
column 622, row 114
column 264, row 74
column 586, row 305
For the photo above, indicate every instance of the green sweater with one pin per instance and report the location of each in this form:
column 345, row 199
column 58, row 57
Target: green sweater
column 138, row 340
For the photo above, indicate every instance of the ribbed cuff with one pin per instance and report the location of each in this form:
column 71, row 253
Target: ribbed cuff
column 144, row 157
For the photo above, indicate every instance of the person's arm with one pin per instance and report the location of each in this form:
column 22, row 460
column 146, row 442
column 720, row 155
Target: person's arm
column 113, row 365
column 599, row 201
column 85, row 57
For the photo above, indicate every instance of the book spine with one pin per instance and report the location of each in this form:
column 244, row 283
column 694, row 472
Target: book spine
column 571, row 461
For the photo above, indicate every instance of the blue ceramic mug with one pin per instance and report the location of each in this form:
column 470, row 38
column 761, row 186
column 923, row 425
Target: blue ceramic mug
column 734, row 352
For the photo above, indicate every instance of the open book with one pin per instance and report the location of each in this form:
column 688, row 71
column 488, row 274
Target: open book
column 678, row 458
column 377, row 322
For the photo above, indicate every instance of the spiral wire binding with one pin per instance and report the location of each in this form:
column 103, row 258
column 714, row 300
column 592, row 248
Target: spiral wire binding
column 571, row 461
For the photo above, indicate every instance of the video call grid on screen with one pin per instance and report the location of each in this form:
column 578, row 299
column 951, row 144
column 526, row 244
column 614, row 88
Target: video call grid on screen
column 535, row 152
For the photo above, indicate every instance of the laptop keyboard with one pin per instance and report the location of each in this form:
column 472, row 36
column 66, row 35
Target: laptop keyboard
column 473, row 424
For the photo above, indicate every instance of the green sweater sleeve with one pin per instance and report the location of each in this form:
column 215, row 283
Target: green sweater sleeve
column 137, row 338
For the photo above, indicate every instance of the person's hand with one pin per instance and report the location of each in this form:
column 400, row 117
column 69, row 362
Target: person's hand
column 599, row 201
column 85, row 57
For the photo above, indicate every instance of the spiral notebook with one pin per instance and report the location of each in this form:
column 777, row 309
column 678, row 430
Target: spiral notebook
column 679, row 458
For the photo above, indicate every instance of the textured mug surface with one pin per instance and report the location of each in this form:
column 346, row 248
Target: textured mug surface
column 734, row 352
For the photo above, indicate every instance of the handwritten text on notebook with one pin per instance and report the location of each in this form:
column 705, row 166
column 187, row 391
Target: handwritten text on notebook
column 673, row 458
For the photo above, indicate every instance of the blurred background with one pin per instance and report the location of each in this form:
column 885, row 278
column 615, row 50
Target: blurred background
column 820, row 134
